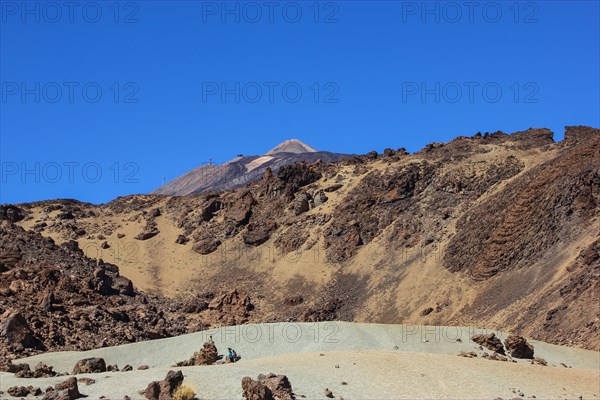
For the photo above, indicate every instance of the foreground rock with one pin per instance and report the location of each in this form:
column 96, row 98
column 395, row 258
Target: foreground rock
column 518, row 347
column 267, row 387
column 163, row 390
column 67, row 390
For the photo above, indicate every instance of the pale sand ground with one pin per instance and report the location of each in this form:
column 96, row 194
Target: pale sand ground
column 423, row 366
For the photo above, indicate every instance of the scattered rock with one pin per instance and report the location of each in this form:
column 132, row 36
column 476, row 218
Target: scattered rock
column 333, row 187
column 147, row 234
column 426, row 311
column 329, row 393
column 87, row 381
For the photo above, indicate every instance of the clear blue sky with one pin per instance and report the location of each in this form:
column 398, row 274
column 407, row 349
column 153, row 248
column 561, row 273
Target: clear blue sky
column 185, row 82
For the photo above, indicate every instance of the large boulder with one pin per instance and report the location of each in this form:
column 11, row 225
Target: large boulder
column 267, row 387
column 490, row 341
column 15, row 330
column 18, row 391
column 255, row 390
column 320, row 198
column 518, row 347
column 163, row 390
column 257, row 234
column 302, row 203
column 67, row 390
column 240, row 210
column 206, row 245
column 147, row 234
column 89, row 365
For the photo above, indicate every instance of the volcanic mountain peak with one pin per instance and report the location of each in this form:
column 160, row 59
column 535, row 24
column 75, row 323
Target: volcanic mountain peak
column 291, row 146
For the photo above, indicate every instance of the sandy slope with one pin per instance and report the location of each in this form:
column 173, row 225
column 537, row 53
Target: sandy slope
column 424, row 364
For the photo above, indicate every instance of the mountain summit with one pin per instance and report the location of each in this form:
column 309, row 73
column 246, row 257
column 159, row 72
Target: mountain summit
column 291, row 146
column 244, row 169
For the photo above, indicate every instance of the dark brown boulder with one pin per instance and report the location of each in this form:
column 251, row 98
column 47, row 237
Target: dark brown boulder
column 43, row 371
column 8, row 366
column 170, row 383
column 147, row 234
column 124, row 286
column 255, row 390
column 279, row 384
column 90, row 365
column 152, row 390
column 489, row 341
column 67, row 390
column 333, row 187
column 267, row 387
column 257, row 234
column 163, row 390
column 18, row 391
column 240, row 210
column 15, row 330
column 518, row 347
column 206, row 245
column 211, row 209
